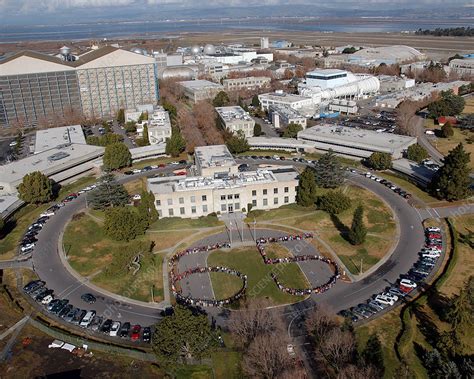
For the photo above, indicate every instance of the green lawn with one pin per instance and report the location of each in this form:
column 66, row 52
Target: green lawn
column 408, row 186
column 226, row 365
column 260, row 284
column 173, row 223
column 228, row 284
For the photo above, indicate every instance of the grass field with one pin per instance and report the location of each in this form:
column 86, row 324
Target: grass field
column 260, row 284
column 377, row 216
column 409, row 187
column 177, row 223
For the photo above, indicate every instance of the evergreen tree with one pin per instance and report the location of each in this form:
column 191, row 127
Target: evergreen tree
column 417, row 153
column 255, row 101
column 452, row 181
column 380, row 161
column 461, row 310
column 237, row 143
column 306, row 193
column 373, row 354
column 116, row 156
column 334, row 202
column 447, row 130
column 358, row 230
column 146, row 137
column 121, row 116
column 108, row 193
column 176, row 144
column 257, row 130
column 329, row 173
column 182, row 336
column 221, row 99
column 291, row 131
column 147, row 210
column 122, row 223
column 36, row 188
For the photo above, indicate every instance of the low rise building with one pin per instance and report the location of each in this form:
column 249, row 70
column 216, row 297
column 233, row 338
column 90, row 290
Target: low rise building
column 463, row 67
column 134, row 114
column 198, row 90
column 158, row 125
column 355, row 143
column 225, row 190
column 250, row 82
column 394, row 83
column 282, row 98
column 343, row 106
column 235, row 119
column 47, row 139
column 283, row 115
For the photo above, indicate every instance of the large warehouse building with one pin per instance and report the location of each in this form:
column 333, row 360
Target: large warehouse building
column 35, row 86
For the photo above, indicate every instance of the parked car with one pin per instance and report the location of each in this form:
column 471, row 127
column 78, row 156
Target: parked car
column 135, row 336
column 146, row 336
column 85, row 322
column 408, row 283
column 65, row 311
column 43, row 294
column 124, row 330
column 96, row 322
column 88, row 298
column 33, row 285
column 433, row 229
column 384, row 300
column 52, row 304
column 26, row 247
column 59, row 306
column 114, row 329
column 69, row 317
column 128, row 172
column 47, row 213
column 79, row 316
column 137, row 197
column 47, row 299
column 105, row 328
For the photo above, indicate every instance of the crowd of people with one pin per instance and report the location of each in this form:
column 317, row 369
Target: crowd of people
column 261, row 242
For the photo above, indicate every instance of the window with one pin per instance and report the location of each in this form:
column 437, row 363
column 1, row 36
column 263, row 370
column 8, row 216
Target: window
column 275, row 200
column 254, row 203
column 287, row 189
column 160, row 214
column 181, row 200
column 275, row 190
column 236, row 196
column 193, row 199
column 204, row 198
column 193, row 209
column 170, row 201
column 223, row 207
column 229, row 197
column 170, row 212
column 286, row 199
column 265, row 202
column 222, row 197
column 181, row 211
column 204, row 208
column 237, row 206
column 264, row 191
column 254, row 193
column 158, row 202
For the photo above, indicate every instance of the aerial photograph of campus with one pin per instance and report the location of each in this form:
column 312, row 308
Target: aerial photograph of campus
column 237, row 189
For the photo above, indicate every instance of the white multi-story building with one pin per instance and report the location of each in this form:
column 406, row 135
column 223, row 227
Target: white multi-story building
column 158, row 125
column 250, row 82
column 327, row 78
column 283, row 115
column 220, row 188
column 280, row 97
column 236, row 119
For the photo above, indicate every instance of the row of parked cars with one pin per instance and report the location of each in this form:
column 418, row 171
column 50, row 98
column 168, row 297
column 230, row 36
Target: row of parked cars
column 388, row 184
column 154, row 167
column 80, row 317
column 421, row 269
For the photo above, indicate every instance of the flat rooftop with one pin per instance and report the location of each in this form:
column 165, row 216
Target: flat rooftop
column 50, row 161
column 213, row 156
column 233, row 114
column 286, row 111
column 353, row 137
column 195, row 85
column 283, row 96
column 49, row 138
column 327, row 72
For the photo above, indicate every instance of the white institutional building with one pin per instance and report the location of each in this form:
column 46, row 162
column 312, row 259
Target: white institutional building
column 235, row 119
column 219, row 187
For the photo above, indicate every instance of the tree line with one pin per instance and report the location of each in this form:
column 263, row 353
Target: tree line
column 447, row 32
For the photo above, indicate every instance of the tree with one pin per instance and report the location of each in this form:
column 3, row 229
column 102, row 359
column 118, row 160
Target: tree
column 176, row 144
column 108, row 193
column 237, row 143
column 329, row 173
column 380, row 161
column 257, row 130
column 117, row 156
column 338, row 348
column 291, row 131
column 121, row 116
column 373, row 354
column 105, row 140
column 221, row 99
column 36, row 188
column 447, row 130
column 306, row 192
column 255, row 101
column 358, row 231
column 182, row 336
column 461, row 309
column 146, row 137
column 349, row 50
column 147, row 210
column 417, row 153
column 319, row 322
column 405, row 118
column 2, row 225
column 448, row 105
column 334, row 202
column 122, row 223
column 452, row 181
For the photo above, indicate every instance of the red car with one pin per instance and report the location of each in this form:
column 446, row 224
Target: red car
column 406, row 289
column 161, row 165
column 136, row 333
column 434, row 235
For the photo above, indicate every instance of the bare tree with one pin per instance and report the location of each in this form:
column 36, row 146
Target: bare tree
column 205, row 117
column 267, row 357
column 320, row 321
column 337, row 348
column 406, row 118
column 355, row 372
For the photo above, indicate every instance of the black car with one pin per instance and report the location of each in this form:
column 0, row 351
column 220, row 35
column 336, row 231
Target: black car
column 64, row 312
column 128, row 172
column 105, row 328
column 146, row 336
column 147, row 168
column 183, row 161
column 124, row 330
column 43, row 294
column 33, row 285
column 88, row 298
column 59, row 306
column 78, row 317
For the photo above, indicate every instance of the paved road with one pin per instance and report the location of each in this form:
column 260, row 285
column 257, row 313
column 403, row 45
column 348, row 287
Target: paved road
column 423, row 140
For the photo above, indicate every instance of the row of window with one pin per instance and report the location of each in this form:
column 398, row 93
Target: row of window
column 192, row 198
column 286, row 200
column 275, row 191
column 182, row 211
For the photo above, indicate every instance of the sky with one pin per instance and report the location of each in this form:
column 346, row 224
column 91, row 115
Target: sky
column 38, row 11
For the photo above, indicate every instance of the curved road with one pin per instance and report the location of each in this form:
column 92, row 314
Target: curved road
column 49, row 267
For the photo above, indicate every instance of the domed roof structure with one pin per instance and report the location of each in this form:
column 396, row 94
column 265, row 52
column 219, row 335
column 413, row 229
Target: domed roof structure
column 195, row 49
column 209, row 49
column 65, row 50
column 137, row 50
column 187, row 73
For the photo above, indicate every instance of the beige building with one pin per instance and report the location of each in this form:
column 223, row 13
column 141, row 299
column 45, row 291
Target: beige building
column 225, row 190
column 198, row 90
column 251, row 82
column 283, row 115
column 235, row 119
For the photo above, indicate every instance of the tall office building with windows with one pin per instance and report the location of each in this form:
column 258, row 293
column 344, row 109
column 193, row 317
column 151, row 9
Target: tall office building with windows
column 34, row 86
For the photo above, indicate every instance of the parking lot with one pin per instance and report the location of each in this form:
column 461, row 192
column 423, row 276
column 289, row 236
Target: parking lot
column 380, row 122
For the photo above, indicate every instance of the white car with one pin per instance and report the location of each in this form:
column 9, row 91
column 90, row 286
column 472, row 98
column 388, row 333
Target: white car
column 47, row 214
column 174, row 163
column 48, row 299
column 433, row 229
column 378, row 180
column 384, row 300
column 137, row 197
column 87, row 319
column 27, row 247
column 393, row 188
column 390, row 296
column 93, row 186
column 291, row 350
column 408, row 283
column 115, row 328
column 373, row 177
column 154, row 167
column 368, row 175
column 136, row 171
column 430, row 254
column 88, row 188
column 13, row 143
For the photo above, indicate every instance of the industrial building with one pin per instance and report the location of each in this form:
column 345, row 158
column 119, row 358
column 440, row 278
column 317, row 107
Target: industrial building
column 198, row 90
column 158, row 125
column 280, row 97
column 348, row 107
column 283, row 115
column 236, row 119
column 277, row 143
column 375, row 56
column 35, row 86
column 47, row 139
column 394, row 83
column 220, row 188
column 355, row 143
column 327, row 78
column 251, row 82
column 462, row 67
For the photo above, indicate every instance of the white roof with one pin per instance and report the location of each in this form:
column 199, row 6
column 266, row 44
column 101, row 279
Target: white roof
column 199, row 84
column 213, row 156
column 49, row 138
column 395, row 52
column 118, row 57
column 327, row 72
column 233, row 114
